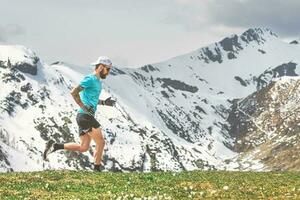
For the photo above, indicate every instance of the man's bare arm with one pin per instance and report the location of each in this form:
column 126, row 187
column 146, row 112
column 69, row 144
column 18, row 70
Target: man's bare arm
column 75, row 94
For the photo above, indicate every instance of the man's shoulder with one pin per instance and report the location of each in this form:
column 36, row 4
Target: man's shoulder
column 89, row 76
column 92, row 78
column 87, row 81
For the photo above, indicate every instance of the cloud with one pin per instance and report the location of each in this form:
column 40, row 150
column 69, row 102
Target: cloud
column 280, row 16
column 120, row 61
column 10, row 31
column 190, row 14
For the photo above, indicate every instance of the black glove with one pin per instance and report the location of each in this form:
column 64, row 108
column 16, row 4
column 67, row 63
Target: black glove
column 89, row 110
column 109, row 102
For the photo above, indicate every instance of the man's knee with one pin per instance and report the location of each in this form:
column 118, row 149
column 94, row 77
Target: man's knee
column 97, row 136
column 84, row 148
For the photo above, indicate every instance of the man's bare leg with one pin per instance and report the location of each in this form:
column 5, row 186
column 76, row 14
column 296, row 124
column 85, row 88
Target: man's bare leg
column 96, row 135
column 82, row 147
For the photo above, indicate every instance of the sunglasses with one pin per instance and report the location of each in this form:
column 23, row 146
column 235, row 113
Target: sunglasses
column 107, row 67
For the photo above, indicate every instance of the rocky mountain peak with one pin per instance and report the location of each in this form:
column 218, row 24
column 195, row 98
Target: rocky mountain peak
column 231, row 46
column 260, row 35
column 234, row 42
column 295, row 41
column 20, row 58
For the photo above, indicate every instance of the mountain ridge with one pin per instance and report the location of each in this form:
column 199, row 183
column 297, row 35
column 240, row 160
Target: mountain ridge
column 171, row 115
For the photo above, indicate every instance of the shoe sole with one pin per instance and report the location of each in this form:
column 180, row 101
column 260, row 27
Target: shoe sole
column 48, row 145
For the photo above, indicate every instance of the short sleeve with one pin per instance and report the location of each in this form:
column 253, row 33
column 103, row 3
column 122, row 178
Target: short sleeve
column 86, row 82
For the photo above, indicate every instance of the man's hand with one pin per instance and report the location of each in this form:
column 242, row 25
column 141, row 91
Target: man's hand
column 109, row 102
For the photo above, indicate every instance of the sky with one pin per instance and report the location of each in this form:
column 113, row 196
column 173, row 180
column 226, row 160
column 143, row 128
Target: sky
column 134, row 33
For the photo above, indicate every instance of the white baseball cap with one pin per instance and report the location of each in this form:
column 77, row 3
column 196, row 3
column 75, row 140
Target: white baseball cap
column 103, row 60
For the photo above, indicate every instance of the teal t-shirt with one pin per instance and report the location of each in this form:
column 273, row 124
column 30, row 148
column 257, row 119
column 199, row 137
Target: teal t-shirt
column 91, row 92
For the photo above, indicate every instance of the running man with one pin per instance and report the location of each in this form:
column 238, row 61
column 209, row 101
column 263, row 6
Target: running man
column 86, row 95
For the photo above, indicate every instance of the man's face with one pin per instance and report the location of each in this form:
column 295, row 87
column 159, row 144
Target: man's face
column 104, row 71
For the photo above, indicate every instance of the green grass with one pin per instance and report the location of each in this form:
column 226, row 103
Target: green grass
column 159, row 185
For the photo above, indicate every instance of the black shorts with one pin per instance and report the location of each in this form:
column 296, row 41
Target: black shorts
column 86, row 123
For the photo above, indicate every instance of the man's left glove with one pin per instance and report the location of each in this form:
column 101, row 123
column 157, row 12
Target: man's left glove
column 109, row 102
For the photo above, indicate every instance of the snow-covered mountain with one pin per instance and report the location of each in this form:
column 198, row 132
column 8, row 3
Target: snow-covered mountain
column 180, row 114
